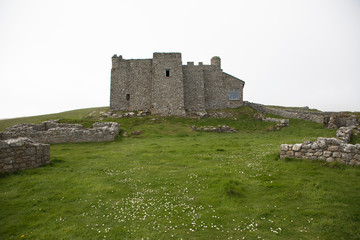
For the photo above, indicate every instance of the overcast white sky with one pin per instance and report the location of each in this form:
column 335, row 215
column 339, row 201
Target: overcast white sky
column 56, row 55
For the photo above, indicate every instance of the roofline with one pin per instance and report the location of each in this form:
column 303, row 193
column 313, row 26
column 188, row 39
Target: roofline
column 234, row 77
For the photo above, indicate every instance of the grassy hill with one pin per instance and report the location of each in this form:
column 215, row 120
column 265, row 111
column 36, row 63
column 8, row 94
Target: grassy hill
column 75, row 114
column 172, row 183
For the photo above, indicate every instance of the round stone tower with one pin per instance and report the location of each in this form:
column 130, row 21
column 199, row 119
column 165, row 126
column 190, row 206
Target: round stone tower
column 216, row 61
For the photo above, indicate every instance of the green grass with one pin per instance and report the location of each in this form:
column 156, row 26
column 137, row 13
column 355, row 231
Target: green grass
column 170, row 182
column 74, row 114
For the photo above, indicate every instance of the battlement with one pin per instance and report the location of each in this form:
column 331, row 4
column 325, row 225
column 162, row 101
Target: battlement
column 216, row 61
column 167, row 55
column 165, row 85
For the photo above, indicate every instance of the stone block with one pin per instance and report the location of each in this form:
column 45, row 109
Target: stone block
column 329, row 159
column 290, row 153
column 306, row 146
column 327, row 154
column 333, row 148
column 308, row 154
column 318, row 153
column 348, row 148
column 340, row 160
column 346, row 156
column 336, row 155
column 298, row 154
column 352, row 162
column 297, row 147
column 332, row 141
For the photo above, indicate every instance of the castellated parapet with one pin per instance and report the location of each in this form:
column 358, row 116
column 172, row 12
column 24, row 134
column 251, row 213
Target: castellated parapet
column 165, row 86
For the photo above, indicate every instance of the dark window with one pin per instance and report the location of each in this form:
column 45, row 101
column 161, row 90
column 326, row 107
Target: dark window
column 234, row 94
column 128, row 97
column 167, row 72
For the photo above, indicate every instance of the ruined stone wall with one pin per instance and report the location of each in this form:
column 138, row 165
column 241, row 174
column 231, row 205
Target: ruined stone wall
column 289, row 113
column 54, row 132
column 194, row 87
column 131, row 81
column 327, row 149
column 337, row 120
column 22, row 153
column 328, row 119
column 167, row 91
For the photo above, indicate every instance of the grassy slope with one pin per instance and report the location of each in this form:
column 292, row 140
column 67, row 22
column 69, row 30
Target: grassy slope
column 170, row 182
column 38, row 119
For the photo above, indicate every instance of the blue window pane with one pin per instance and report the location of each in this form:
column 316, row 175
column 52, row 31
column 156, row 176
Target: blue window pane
column 234, row 94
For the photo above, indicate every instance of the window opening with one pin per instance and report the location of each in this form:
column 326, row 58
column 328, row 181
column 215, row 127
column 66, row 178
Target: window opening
column 127, row 97
column 167, row 72
column 234, row 94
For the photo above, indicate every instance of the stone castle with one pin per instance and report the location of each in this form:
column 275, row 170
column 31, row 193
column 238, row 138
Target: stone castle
column 165, row 86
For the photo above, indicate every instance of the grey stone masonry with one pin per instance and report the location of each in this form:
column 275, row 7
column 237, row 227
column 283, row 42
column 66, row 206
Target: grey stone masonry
column 327, row 149
column 54, row 132
column 328, row 119
column 165, row 86
column 345, row 133
column 22, row 153
column 289, row 113
column 218, row 129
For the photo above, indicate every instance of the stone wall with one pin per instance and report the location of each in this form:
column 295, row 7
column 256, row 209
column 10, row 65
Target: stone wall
column 328, row 119
column 54, row 132
column 194, row 87
column 22, row 153
column 327, row 149
column 231, row 82
column 215, row 97
column 130, row 84
column 165, row 86
column 167, row 91
column 289, row 113
column 340, row 120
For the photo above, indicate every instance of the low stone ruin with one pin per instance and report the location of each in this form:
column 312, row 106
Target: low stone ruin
column 124, row 114
column 327, row 149
column 22, row 153
column 218, row 129
column 341, row 120
column 55, row 132
column 344, row 133
column 280, row 122
column 328, row 119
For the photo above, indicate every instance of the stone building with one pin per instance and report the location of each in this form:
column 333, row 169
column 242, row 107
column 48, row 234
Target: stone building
column 165, row 86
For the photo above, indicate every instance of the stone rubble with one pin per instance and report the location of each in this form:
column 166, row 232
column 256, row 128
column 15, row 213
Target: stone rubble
column 218, row 129
column 281, row 122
